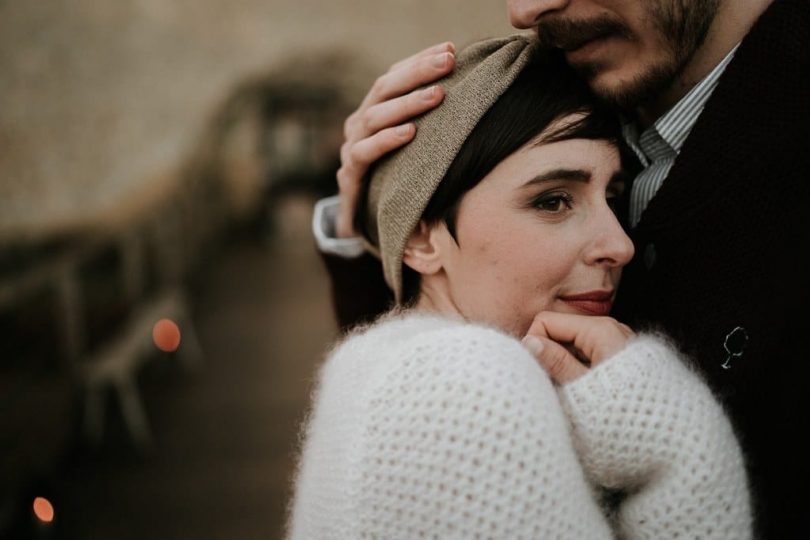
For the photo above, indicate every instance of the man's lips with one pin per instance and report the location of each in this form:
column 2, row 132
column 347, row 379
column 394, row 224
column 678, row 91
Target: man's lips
column 591, row 302
column 582, row 41
column 584, row 50
column 570, row 35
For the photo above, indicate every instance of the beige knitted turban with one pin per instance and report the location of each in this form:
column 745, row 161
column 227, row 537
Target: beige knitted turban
column 403, row 182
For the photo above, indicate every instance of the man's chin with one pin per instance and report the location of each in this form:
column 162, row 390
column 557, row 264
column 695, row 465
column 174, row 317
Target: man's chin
column 626, row 92
column 603, row 83
column 614, row 93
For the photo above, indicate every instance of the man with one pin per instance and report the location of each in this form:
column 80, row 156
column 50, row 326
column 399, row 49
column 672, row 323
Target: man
column 716, row 94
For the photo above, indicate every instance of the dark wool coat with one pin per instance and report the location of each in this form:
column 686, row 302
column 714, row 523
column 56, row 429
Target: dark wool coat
column 721, row 255
column 720, row 261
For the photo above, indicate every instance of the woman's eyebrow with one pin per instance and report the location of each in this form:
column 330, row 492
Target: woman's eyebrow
column 575, row 175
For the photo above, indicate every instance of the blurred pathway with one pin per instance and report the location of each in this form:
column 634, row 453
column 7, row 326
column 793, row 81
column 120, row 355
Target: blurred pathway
column 226, row 433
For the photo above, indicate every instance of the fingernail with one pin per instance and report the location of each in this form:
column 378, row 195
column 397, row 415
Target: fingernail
column 403, row 130
column 533, row 344
column 440, row 60
column 429, row 93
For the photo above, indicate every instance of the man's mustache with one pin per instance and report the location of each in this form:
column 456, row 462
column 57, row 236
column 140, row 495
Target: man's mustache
column 569, row 35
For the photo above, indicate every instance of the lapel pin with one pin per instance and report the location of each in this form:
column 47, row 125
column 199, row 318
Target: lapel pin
column 735, row 343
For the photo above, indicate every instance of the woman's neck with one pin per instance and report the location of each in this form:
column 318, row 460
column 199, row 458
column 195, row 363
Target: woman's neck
column 434, row 298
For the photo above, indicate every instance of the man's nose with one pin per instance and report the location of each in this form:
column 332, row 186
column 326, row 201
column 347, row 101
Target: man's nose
column 526, row 13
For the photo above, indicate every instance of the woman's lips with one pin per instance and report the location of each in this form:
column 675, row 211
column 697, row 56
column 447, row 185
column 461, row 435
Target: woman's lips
column 591, row 303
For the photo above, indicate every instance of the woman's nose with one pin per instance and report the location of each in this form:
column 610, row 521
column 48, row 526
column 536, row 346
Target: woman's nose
column 526, row 13
column 610, row 244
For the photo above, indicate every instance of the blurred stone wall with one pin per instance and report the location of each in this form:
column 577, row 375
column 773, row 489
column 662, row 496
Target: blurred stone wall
column 100, row 99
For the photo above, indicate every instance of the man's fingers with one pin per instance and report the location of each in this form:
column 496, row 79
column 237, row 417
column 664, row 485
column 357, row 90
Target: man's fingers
column 349, row 189
column 350, row 125
column 365, row 152
column 409, row 77
column 402, row 109
column 356, row 158
column 382, row 122
column 560, row 364
column 430, row 51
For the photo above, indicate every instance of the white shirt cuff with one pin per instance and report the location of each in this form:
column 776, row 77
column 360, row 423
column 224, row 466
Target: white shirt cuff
column 324, row 218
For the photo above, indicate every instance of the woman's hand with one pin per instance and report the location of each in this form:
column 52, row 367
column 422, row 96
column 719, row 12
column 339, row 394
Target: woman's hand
column 559, row 340
column 382, row 122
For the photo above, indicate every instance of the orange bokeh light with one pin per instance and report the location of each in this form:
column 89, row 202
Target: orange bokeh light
column 43, row 509
column 166, row 335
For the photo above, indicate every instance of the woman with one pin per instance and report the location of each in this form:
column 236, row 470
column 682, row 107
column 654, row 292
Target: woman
column 495, row 223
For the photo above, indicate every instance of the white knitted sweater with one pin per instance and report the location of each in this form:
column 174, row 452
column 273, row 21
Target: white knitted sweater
column 423, row 427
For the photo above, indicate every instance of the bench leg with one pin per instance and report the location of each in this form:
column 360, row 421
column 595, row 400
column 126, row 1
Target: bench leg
column 94, row 414
column 133, row 413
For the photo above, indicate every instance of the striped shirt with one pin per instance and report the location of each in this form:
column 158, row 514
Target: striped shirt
column 659, row 145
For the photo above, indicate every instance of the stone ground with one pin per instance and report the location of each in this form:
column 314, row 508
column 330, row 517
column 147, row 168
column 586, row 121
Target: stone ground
column 225, row 434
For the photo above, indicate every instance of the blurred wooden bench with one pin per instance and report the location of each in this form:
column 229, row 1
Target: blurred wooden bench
column 158, row 242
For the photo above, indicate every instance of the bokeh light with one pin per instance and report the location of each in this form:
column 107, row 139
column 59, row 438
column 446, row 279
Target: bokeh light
column 43, row 509
column 166, row 335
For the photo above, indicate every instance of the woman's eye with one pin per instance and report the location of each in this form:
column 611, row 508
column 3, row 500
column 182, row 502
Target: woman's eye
column 612, row 202
column 553, row 203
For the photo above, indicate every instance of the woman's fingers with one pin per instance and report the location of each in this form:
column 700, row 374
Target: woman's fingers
column 555, row 359
column 596, row 338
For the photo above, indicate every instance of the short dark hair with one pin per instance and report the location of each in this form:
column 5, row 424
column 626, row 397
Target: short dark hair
column 545, row 91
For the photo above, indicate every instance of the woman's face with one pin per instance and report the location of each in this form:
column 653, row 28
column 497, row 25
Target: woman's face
column 537, row 233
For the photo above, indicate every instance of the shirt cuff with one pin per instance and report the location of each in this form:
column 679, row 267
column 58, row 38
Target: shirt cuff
column 324, row 217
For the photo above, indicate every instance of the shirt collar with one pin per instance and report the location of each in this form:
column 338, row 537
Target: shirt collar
column 666, row 136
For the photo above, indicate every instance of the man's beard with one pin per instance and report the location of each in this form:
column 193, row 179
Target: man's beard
column 644, row 89
column 682, row 27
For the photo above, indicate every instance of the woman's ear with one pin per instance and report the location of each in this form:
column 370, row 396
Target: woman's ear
column 422, row 251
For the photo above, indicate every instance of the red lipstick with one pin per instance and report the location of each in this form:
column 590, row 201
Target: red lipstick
column 591, row 302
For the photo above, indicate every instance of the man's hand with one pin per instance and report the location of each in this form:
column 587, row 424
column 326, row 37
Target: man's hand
column 382, row 122
column 557, row 339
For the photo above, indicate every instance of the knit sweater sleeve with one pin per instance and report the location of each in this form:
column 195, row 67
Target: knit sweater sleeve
column 465, row 438
column 645, row 424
